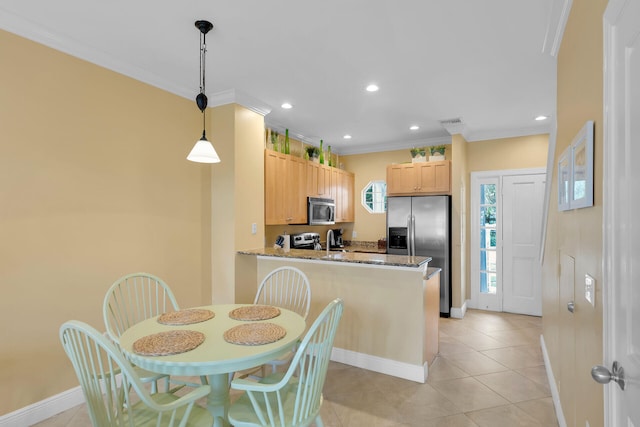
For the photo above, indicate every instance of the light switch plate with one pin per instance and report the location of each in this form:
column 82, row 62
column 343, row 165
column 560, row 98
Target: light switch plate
column 590, row 289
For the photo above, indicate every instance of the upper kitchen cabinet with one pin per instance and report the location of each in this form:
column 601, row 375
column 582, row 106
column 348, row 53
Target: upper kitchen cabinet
column 342, row 188
column 318, row 180
column 426, row 178
column 289, row 180
column 285, row 186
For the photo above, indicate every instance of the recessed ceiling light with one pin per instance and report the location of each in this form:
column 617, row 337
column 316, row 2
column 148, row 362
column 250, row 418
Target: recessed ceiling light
column 372, row 88
column 286, row 106
column 540, row 118
column 414, row 127
column 347, row 136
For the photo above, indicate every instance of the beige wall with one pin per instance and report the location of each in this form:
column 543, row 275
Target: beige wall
column 94, row 184
column 508, row 153
column 237, row 199
column 574, row 342
column 459, row 203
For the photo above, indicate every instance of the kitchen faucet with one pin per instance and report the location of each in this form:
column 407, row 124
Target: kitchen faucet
column 329, row 239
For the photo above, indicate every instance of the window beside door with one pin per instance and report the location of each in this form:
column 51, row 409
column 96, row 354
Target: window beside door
column 488, row 236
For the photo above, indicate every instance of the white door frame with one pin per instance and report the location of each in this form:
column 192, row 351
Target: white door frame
column 476, row 177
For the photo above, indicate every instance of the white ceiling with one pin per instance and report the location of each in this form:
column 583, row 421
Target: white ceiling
column 490, row 63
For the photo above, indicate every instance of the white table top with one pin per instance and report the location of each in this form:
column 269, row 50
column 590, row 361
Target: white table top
column 214, row 355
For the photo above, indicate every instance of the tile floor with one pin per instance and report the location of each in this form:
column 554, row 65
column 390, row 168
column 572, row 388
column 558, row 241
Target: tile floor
column 489, row 373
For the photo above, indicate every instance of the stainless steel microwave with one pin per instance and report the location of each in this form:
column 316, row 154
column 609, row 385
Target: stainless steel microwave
column 321, row 211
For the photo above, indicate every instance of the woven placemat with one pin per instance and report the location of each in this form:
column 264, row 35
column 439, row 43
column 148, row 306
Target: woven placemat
column 169, row 342
column 185, row 317
column 254, row 334
column 254, row 312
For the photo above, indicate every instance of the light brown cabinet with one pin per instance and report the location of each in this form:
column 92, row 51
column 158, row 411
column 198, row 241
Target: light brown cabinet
column 289, row 180
column 318, row 180
column 342, row 188
column 419, row 178
column 285, row 185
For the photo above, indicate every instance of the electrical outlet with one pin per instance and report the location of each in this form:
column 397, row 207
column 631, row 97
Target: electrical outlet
column 254, row 228
column 590, row 289
column 354, row 234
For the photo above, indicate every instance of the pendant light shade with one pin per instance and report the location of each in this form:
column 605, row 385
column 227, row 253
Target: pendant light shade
column 203, row 151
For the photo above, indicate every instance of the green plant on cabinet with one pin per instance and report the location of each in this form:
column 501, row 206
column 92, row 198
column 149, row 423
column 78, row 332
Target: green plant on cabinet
column 287, row 148
column 274, row 140
column 437, row 150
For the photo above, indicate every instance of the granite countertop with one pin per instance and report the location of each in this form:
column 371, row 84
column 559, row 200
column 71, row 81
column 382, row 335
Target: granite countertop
column 364, row 246
column 346, row 257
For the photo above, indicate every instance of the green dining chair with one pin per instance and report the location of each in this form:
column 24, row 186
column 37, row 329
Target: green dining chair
column 132, row 299
column 285, row 287
column 114, row 394
column 292, row 398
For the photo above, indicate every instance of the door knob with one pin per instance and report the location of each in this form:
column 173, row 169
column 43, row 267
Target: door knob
column 571, row 306
column 602, row 375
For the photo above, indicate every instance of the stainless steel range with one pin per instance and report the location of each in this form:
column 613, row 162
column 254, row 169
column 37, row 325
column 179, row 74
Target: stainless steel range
column 305, row 240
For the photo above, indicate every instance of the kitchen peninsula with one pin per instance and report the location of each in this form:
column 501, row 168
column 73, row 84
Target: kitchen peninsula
column 390, row 321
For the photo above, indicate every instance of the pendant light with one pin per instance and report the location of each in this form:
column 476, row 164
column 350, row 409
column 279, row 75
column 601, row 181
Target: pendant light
column 203, row 151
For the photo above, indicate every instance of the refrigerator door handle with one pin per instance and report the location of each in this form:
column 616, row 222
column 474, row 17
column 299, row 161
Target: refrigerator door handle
column 413, row 235
column 409, row 235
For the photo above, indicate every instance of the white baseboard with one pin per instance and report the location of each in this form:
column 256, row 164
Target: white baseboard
column 44, row 409
column 407, row 371
column 458, row 313
column 552, row 384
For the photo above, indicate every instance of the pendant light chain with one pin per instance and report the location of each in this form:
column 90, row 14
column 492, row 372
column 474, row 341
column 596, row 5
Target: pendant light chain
column 203, row 60
column 203, row 151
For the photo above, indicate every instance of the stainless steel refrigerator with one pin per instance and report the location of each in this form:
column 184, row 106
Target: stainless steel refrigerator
column 421, row 226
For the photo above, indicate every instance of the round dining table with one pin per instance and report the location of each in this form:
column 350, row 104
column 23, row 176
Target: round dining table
column 214, row 358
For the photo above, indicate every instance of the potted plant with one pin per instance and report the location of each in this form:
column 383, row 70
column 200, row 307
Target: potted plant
column 312, row 153
column 437, row 153
column 274, row 140
column 418, row 154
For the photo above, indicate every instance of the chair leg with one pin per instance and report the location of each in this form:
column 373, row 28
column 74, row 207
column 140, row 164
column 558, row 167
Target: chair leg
column 319, row 422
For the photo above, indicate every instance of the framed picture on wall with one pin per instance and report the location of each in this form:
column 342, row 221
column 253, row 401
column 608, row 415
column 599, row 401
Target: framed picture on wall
column 582, row 167
column 575, row 171
column 564, row 180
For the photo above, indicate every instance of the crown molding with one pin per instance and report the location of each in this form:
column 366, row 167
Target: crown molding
column 27, row 29
column 293, row 133
column 235, row 96
column 392, row 146
column 505, row 133
column 556, row 23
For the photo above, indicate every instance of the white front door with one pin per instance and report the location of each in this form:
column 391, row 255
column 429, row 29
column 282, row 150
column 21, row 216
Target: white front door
column 621, row 286
column 506, row 222
column 522, row 202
